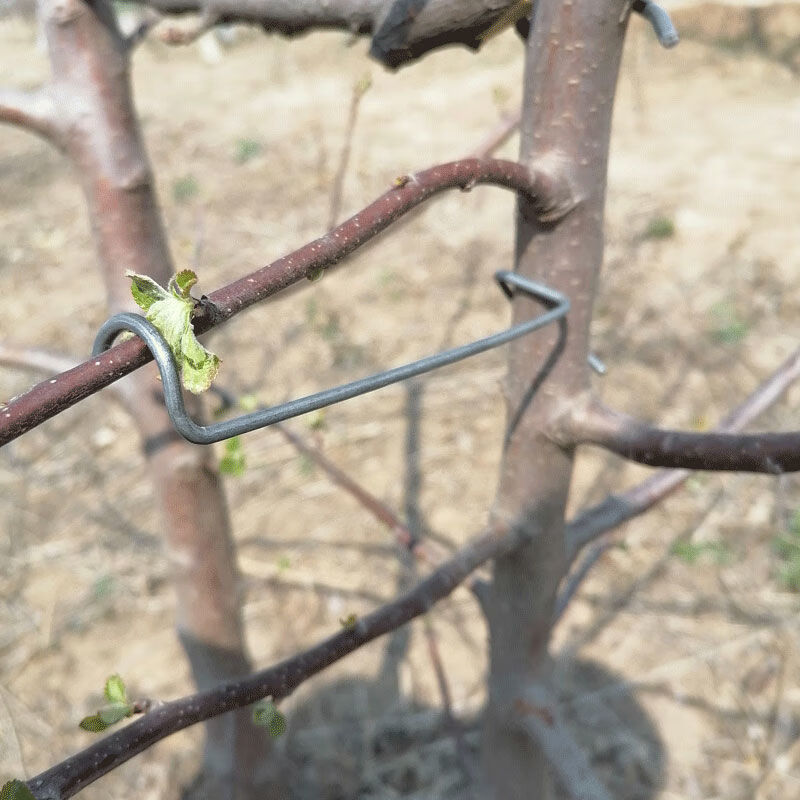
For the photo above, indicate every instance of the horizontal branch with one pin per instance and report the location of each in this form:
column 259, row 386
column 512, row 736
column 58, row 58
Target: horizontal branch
column 70, row 776
column 591, row 422
column 617, row 509
column 545, row 190
column 34, row 111
column 401, row 30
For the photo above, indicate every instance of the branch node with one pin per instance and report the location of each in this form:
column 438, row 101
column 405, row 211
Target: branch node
column 557, row 195
column 569, row 414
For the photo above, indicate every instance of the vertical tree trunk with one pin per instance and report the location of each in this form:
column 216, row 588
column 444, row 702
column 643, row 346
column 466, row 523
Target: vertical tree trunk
column 101, row 136
column 573, row 54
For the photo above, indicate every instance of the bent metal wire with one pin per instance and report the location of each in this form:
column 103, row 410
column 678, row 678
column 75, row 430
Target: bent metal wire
column 208, row 434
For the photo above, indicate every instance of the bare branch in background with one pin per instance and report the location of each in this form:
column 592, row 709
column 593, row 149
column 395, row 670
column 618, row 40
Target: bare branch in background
column 12, row 355
column 359, row 90
column 547, row 190
column 498, row 137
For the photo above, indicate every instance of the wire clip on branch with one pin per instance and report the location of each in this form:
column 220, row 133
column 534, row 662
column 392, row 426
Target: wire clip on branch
column 199, row 434
column 660, row 20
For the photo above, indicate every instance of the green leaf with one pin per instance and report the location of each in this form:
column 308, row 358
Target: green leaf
column 145, row 290
column 266, row 715
column 106, row 717
column 16, row 790
column 171, row 313
column 112, row 714
column 233, row 462
column 182, row 283
column 659, row 227
column 115, row 690
column 93, row 724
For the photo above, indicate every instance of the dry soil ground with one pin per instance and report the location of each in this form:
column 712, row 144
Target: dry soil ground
column 681, row 656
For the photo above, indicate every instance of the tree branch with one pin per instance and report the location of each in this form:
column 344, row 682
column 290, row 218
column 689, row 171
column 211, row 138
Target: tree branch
column 35, row 111
column 619, row 508
column 547, row 190
column 402, row 30
column 70, row 776
column 537, row 715
column 592, row 422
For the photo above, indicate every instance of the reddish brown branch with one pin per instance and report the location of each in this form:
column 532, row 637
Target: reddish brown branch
column 619, row 508
column 591, row 422
column 34, row 111
column 55, row 395
column 67, row 778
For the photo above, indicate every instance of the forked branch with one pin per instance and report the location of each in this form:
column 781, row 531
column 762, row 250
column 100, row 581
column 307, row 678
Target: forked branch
column 70, row 776
column 617, row 509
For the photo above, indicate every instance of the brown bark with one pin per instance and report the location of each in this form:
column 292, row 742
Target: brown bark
column 572, row 60
column 101, row 136
column 402, row 30
column 591, row 422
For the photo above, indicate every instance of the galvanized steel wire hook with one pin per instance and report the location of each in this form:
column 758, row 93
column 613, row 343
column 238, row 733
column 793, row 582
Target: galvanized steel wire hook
column 659, row 18
column 509, row 282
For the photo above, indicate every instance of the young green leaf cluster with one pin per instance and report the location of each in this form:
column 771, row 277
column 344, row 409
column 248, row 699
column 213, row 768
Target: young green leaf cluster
column 118, row 707
column 266, row 715
column 170, row 310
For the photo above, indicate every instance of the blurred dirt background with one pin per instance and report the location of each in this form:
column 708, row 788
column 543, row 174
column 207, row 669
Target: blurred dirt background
column 680, row 659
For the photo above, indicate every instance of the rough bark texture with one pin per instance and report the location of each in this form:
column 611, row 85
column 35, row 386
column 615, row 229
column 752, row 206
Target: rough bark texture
column 402, row 30
column 101, row 136
column 573, row 55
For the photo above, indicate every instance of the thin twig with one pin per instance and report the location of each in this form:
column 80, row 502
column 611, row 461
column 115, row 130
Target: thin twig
column 29, row 358
column 359, row 90
column 453, row 725
column 498, row 137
